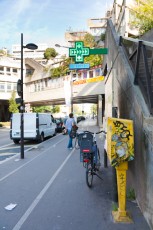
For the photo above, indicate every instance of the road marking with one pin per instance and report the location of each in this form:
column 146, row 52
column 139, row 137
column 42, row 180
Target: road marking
column 5, row 145
column 41, row 194
column 17, row 169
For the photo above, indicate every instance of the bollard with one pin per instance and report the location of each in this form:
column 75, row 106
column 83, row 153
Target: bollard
column 122, row 215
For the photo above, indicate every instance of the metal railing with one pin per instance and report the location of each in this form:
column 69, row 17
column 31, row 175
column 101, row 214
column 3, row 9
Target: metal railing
column 140, row 56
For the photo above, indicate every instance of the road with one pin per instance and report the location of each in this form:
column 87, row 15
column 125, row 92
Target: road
column 49, row 192
column 7, row 147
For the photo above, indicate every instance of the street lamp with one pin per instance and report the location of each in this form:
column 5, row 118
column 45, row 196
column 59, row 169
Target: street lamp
column 59, row 46
column 30, row 46
column 71, row 106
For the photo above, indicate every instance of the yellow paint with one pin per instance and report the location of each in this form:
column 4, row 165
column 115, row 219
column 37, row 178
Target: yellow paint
column 89, row 80
column 120, row 150
column 120, row 140
column 122, row 215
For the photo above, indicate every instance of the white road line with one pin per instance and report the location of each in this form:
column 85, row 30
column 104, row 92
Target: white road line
column 5, row 145
column 17, row 169
column 40, row 196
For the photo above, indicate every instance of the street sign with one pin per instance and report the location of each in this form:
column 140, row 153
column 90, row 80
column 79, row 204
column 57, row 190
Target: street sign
column 79, row 52
column 98, row 51
column 79, row 66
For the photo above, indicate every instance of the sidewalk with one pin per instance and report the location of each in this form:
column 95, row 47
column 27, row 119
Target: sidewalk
column 132, row 207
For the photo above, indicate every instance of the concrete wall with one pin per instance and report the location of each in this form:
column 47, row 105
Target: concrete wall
column 122, row 93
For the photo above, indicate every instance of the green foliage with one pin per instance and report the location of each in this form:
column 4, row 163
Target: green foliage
column 45, row 109
column 93, row 60
column 102, row 37
column 131, row 194
column 142, row 18
column 89, row 41
column 61, row 70
column 114, row 207
column 13, row 106
column 41, row 109
column 56, row 109
column 50, row 53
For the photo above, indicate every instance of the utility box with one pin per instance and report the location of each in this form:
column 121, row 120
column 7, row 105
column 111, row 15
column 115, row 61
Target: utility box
column 120, row 140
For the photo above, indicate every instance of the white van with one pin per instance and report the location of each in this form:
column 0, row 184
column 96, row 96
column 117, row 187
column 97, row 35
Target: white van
column 37, row 126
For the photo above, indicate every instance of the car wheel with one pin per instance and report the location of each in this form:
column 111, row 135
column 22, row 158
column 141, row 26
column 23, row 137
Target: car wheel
column 55, row 132
column 41, row 138
column 16, row 141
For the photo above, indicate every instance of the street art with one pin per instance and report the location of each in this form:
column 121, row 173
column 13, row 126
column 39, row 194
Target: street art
column 120, row 140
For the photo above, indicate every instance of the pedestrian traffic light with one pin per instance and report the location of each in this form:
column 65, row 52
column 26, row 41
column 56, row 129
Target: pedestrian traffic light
column 19, row 87
column 18, row 100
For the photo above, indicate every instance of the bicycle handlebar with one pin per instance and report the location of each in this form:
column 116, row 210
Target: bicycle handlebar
column 102, row 131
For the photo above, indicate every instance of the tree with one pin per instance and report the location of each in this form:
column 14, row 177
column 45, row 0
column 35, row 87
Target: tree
column 45, row 109
column 50, row 53
column 13, row 106
column 143, row 19
column 94, row 109
column 41, row 109
column 90, row 42
column 55, row 109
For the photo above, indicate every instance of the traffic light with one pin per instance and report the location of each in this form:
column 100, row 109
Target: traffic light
column 19, row 87
column 18, row 100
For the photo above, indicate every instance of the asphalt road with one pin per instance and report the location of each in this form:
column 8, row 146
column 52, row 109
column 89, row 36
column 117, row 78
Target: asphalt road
column 49, row 192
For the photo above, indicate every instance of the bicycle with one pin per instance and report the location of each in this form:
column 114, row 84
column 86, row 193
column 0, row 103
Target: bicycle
column 89, row 154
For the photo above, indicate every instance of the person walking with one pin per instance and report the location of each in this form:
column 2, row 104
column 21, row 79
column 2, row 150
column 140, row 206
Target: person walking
column 69, row 123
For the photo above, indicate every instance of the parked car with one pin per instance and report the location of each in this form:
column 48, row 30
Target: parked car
column 59, row 122
column 37, row 126
column 80, row 118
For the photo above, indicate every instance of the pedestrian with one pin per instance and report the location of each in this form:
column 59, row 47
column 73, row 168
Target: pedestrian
column 69, row 123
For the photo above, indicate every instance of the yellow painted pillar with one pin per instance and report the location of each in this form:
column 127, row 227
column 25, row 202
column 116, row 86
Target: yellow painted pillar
column 121, row 215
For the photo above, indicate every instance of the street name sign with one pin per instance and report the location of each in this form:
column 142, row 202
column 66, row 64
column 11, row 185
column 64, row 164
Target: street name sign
column 79, row 66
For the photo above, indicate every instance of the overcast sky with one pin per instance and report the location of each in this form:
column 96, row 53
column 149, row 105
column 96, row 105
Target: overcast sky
column 46, row 21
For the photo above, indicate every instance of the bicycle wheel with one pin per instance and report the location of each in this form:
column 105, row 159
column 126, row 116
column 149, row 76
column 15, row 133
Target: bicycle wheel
column 89, row 175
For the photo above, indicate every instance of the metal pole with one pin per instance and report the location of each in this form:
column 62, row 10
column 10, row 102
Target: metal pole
column 114, row 177
column 71, row 92
column 22, row 106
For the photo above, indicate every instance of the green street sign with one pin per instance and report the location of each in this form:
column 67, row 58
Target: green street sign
column 79, row 51
column 98, row 51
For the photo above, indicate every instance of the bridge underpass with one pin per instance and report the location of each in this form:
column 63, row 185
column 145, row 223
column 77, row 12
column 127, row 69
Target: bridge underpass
column 81, row 93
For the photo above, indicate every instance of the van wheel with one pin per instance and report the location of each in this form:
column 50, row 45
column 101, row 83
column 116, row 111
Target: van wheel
column 55, row 132
column 41, row 139
column 16, row 141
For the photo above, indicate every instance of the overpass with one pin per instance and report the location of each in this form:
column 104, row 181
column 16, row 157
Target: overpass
column 84, row 87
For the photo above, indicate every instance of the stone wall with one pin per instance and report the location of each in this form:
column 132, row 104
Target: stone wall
column 122, row 93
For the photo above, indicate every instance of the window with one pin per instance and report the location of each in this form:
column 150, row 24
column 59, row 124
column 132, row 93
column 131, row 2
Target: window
column 8, row 87
column 1, row 68
column 90, row 74
column 84, row 74
column 15, row 70
column 2, row 87
column 8, row 69
column 15, row 86
column 98, row 72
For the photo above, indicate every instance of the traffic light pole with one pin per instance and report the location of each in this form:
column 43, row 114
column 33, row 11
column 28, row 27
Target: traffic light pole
column 22, row 106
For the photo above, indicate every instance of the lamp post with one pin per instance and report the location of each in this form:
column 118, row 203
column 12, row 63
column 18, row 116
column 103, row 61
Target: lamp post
column 71, row 83
column 32, row 47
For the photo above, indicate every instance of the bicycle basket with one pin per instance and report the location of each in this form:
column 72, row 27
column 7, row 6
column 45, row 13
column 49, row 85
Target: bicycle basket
column 85, row 141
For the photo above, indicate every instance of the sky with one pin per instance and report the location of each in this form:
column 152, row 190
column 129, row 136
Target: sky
column 46, row 21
